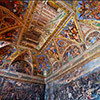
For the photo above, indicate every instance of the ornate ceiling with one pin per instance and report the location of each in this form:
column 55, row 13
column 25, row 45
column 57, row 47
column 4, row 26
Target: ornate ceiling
column 38, row 37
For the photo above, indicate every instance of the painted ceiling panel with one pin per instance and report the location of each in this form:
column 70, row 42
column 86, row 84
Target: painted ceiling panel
column 70, row 31
column 88, row 9
column 5, row 53
column 18, row 7
column 10, row 36
column 52, row 53
column 8, row 20
column 61, row 44
column 70, row 53
column 39, row 37
column 43, row 65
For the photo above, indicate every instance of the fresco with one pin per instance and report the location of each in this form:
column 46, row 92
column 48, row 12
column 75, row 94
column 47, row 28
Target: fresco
column 10, row 36
column 70, row 31
column 92, row 65
column 33, row 53
column 21, row 66
column 88, row 9
column 53, row 28
column 45, row 19
column 56, row 66
column 1, row 83
column 70, row 2
column 92, row 38
column 27, row 56
column 85, row 28
column 21, row 49
column 61, row 44
column 16, row 90
column 7, row 20
column 3, row 43
column 35, row 70
column 65, row 50
column 70, row 53
column 95, row 24
column 51, row 52
column 79, row 84
column 92, row 23
column 83, row 47
column 43, row 65
column 18, row 7
column 6, row 52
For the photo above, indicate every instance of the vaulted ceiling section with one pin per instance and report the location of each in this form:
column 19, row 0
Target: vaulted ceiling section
column 40, row 37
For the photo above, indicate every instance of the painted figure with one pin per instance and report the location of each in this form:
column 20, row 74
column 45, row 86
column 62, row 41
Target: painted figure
column 17, row 7
column 71, row 53
column 10, row 36
column 89, row 9
column 15, row 90
column 92, row 38
column 70, row 31
column 6, row 52
column 21, row 66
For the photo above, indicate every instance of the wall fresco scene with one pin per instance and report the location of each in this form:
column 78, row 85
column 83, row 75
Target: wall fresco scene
column 16, row 90
column 80, row 84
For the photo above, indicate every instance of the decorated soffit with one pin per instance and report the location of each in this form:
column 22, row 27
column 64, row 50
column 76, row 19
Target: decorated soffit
column 38, row 37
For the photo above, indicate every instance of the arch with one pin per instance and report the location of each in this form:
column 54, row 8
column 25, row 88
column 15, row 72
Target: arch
column 21, row 66
column 5, row 53
column 92, row 37
column 21, row 57
column 56, row 65
column 9, row 59
column 3, row 43
column 8, row 43
column 72, row 52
